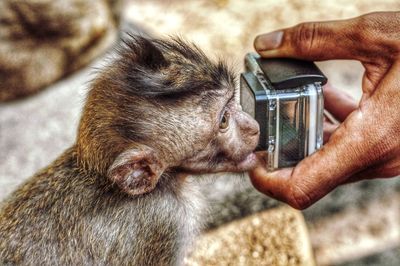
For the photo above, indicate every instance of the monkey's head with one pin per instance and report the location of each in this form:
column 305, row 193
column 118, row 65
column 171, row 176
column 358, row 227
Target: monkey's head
column 163, row 106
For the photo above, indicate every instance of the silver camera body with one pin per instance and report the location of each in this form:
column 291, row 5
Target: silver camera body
column 285, row 97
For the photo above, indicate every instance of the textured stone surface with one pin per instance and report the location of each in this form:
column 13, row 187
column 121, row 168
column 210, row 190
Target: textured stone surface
column 276, row 237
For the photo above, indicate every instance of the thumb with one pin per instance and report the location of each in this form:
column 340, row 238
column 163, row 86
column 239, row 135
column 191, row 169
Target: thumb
column 312, row 41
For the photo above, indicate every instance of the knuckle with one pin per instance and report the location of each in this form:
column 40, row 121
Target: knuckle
column 379, row 30
column 366, row 29
column 305, row 37
column 371, row 22
column 298, row 197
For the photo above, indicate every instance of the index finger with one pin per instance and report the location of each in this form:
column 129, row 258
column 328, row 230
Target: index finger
column 338, row 103
column 360, row 38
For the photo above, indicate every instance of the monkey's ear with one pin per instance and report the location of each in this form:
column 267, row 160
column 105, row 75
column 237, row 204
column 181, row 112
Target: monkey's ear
column 136, row 171
column 151, row 56
column 146, row 52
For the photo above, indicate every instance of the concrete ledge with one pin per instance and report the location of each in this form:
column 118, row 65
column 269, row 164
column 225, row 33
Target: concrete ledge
column 274, row 237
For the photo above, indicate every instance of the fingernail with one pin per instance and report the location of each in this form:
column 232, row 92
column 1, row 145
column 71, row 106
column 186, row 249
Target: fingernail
column 268, row 41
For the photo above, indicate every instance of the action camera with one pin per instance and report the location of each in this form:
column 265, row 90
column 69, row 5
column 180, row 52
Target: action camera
column 285, row 97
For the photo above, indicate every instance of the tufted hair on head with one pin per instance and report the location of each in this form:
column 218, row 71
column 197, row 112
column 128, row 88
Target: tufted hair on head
column 155, row 67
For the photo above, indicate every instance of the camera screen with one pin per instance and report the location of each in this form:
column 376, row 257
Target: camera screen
column 290, row 132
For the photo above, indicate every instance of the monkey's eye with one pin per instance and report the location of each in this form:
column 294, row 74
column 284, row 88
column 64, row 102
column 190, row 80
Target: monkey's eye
column 224, row 121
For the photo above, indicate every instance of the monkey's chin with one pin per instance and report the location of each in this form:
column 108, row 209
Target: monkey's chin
column 223, row 165
column 247, row 163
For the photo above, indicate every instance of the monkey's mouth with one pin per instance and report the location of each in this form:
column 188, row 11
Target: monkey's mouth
column 223, row 164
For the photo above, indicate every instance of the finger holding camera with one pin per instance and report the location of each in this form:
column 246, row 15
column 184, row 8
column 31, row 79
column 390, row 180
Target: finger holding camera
column 366, row 143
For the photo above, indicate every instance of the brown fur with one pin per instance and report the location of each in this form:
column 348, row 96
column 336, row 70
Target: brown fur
column 118, row 196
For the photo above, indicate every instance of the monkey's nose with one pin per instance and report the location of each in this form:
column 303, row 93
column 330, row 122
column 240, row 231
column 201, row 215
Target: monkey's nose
column 255, row 129
column 248, row 125
column 252, row 130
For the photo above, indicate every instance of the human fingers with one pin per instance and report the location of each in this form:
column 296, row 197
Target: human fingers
column 366, row 38
column 366, row 141
column 338, row 103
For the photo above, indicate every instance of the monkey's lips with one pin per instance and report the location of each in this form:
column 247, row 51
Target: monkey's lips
column 242, row 165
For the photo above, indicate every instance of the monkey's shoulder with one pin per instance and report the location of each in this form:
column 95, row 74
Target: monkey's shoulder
column 63, row 214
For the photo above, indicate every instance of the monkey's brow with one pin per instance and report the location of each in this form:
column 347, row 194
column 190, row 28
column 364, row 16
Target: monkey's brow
column 231, row 98
column 223, row 90
column 231, row 89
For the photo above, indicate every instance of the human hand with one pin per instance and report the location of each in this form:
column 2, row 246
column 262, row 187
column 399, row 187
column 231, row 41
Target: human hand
column 366, row 144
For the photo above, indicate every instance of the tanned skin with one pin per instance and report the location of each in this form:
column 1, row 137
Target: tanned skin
column 366, row 143
column 159, row 111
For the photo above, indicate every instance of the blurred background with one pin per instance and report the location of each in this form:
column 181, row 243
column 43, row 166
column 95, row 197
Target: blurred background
column 50, row 48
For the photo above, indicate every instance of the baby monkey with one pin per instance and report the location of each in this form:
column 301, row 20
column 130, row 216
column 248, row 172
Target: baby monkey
column 160, row 111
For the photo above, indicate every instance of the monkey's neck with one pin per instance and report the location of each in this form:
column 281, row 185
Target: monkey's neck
column 175, row 182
